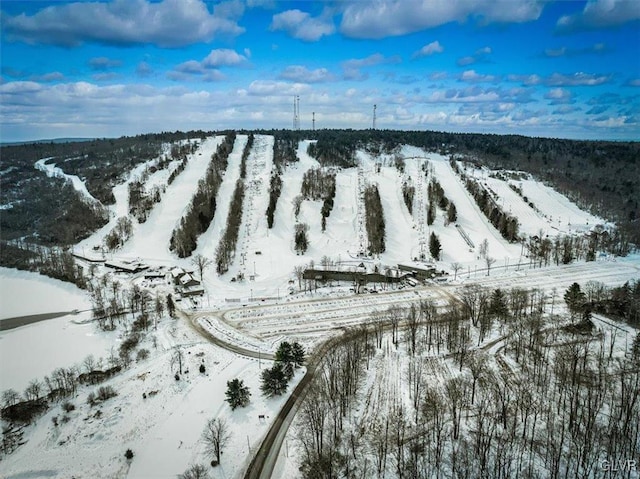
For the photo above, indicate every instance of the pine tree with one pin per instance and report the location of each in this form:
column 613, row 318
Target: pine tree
column 434, row 246
column 274, row 381
column 431, row 214
column 574, row 298
column 284, row 354
column 298, row 354
column 452, row 213
column 171, row 307
column 498, row 304
column 237, row 393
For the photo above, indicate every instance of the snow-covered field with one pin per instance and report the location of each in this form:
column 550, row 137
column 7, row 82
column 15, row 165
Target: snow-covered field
column 163, row 430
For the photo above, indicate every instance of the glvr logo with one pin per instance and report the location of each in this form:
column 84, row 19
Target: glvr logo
column 619, row 466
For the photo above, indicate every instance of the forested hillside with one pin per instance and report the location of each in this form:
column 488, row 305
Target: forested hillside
column 51, row 211
column 603, row 177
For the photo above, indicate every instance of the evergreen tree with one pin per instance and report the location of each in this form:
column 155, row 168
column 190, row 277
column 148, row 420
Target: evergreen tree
column 434, row 246
column 274, row 381
column 574, row 298
column 498, row 304
column 237, row 393
column 300, row 238
column 284, row 354
column 452, row 213
column 171, row 307
column 298, row 354
column 431, row 214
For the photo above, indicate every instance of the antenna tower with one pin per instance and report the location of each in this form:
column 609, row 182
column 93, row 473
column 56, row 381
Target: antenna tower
column 298, row 112
column 374, row 116
column 313, row 121
column 294, row 113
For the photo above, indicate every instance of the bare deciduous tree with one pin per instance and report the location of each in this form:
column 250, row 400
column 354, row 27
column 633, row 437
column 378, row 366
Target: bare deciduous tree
column 177, row 359
column 216, row 436
column 489, row 261
column 201, row 263
column 196, row 471
column 456, row 267
column 299, row 272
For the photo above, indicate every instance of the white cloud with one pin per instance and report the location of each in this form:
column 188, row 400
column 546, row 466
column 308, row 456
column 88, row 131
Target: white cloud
column 600, row 14
column 429, row 49
column 48, row 77
column 561, row 79
column 352, row 68
column 170, row 23
column 208, row 67
column 276, row 88
column 527, row 80
column 190, row 66
column 223, row 57
column 302, row 25
column 144, row 69
column 565, row 109
column 384, row 18
column 559, row 96
column 479, row 56
column 298, row 73
column 105, row 76
column 576, row 79
column 465, row 61
column 473, row 77
column 598, row 48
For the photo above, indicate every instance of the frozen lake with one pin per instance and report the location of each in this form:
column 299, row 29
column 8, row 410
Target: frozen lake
column 33, row 351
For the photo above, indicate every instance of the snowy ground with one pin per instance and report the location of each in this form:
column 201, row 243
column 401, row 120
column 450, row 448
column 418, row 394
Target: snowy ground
column 163, row 430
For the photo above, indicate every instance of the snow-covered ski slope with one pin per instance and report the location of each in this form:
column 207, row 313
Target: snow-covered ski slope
column 551, row 213
column 267, row 257
column 151, row 239
column 208, row 241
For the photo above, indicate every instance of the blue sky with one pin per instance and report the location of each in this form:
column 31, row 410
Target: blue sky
column 566, row 69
